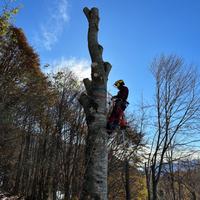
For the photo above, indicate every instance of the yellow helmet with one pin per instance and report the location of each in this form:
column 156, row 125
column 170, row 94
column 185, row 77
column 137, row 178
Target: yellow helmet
column 119, row 83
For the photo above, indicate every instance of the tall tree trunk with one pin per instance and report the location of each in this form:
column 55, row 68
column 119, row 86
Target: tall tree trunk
column 154, row 190
column 127, row 179
column 94, row 104
column 148, row 178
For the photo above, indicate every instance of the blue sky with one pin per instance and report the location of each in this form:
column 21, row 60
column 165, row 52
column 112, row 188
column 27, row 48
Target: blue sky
column 132, row 33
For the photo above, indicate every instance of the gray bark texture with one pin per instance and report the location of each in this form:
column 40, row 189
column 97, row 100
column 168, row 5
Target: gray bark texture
column 94, row 104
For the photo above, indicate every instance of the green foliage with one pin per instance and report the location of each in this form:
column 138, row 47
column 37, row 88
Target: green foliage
column 7, row 14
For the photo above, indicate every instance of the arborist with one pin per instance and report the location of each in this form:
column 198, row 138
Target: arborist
column 120, row 104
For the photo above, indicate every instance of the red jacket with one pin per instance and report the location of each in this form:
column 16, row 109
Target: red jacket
column 123, row 93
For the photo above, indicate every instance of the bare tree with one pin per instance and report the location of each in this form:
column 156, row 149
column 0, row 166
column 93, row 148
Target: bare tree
column 177, row 107
column 94, row 104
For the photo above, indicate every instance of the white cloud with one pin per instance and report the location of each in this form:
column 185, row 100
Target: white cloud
column 52, row 28
column 80, row 67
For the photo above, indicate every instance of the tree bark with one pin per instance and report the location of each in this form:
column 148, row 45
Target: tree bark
column 127, row 179
column 94, row 104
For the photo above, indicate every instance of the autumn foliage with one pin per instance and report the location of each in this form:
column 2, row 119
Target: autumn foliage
column 42, row 127
column 43, row 134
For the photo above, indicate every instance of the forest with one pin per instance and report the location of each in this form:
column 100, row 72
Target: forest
column 47, row 134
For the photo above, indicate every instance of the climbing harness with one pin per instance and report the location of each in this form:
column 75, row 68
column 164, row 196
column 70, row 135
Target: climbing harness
column 116, row 118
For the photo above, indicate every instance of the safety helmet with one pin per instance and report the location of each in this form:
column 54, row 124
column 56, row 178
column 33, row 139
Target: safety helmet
column 119, row 83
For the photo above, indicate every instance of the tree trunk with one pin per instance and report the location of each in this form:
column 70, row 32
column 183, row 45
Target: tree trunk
column 154, row 190
column 148, row 177
column 94, row 104
column 194, row 196
column 127, row 179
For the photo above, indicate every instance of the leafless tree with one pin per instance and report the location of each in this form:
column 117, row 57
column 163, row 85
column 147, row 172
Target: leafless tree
column 177, row 109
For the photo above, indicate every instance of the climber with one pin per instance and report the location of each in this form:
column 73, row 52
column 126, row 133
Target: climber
column 120, row 104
